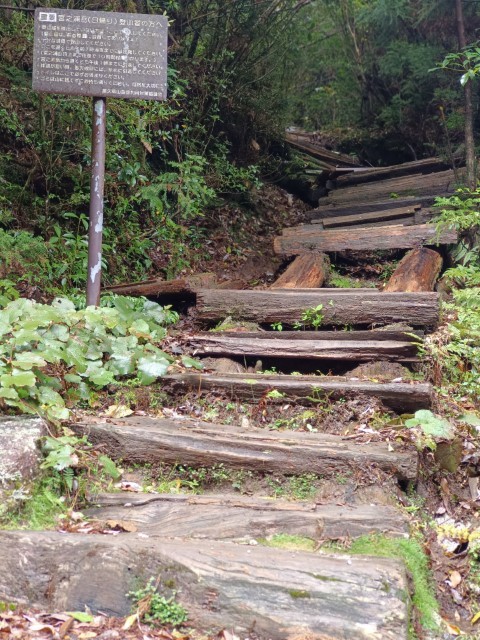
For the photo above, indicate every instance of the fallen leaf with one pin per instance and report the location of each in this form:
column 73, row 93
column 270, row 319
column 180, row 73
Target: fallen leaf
column 455, row 579
column 129, row 486
column 86, row 635
column 65, row 627
column 129, row 622
column 452, row 628
column 41, row 626
column 475, row 618
column 80, row 616
column 118, row 411
column 122, row 525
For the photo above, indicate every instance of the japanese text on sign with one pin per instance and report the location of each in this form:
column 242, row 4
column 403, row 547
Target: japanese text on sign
column 97, row 53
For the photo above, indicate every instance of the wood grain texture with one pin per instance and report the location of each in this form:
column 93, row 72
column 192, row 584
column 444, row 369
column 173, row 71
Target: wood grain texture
column 327, row 209
column 279, row 593
column 202, row 444
column 417, row 271
column 308, row 271
column 316, row 348
column 375, row 174
column 372, row 216
column 368, row 239
column 220, row 517
column 359, row 307
column 400, row 396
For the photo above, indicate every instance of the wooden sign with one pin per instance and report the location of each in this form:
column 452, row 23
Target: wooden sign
column 101, row 54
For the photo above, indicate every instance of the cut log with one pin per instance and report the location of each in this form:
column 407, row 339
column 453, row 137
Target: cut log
column 158, row 286
column 403, row 397
column 308, row 146
column 202, row 444
column 320, row 346
column 359, row 307
column 308, row 271
column 418, row 271
column 310, row 238
column 219, row 517
column 278, row 593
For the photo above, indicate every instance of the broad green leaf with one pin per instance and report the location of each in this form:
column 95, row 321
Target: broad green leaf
column 109, row 467
column 9, row 393
column 28, row 360
column 101, row 377
column 140, row 329
column 47, row 396
column 152, row 367
column 57, row 413
column 18, row 379
column 121, row 365
column 72, row 378
column 191, row 362
column 470, row 418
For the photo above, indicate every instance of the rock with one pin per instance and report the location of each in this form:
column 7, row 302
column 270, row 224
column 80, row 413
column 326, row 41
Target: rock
column 19, row 453
column 223, row 365
column 384, row 371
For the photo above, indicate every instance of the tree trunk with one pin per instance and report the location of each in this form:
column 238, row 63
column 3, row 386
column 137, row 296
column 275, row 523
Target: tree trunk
column 471, row 178
column 307, row 272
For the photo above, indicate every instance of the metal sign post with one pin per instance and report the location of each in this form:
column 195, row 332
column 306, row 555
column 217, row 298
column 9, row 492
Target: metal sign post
column 95, row 224
column 99, row 54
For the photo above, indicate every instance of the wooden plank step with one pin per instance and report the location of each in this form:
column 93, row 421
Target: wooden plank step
column 220, row 517
column 278, row 593
column 358, row 307
column 404, row 397
column 394, row 171
column 312, row 345
column 373, row 216
column 369, row 239
column 327, row 209
column 202, row 444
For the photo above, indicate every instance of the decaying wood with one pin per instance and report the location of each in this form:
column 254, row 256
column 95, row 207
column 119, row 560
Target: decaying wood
column 308, row 146
column 400, row 396
column 321, row 345
column 278, row 593
column 367, row 239
column 202, row 444
column 327, row 209
column 219, row 517
column 157, row 286
column 308, row 271
column 395, row 171
column 429, row 184
column 373, row 216
column 418, row 271
column 359, row 307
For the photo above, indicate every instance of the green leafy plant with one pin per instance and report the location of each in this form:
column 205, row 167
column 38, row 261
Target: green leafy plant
column 430, row 428
column 153, row 608
column 50, row 354
column 277, row 326
column 312, row 317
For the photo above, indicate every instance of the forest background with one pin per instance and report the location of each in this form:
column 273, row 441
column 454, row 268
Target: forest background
column 240, row 71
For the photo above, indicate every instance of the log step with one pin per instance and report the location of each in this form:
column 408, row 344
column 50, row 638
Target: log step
column 278, row 593
column 358, row 307
column 361, row 346
column 202, row 444
column 219, row 517
column 309, row 238
column 327, row 209
column 403, row 397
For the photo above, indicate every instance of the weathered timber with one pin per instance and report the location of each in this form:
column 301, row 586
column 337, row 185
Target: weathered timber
column 318, row 347
column 418, row 271
column 202, row 444
column 308, row 271
column 220, row 517
column 327, row 209
column 373, row 216
column 250, row 387
column 429, row 184
column 427, row 165
column 278, row 593
column 367, row 239
column 157, row 286
column 308, row 146
column 359, row 307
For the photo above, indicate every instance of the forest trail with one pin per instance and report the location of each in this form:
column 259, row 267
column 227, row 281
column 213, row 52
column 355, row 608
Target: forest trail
column 291, row 348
